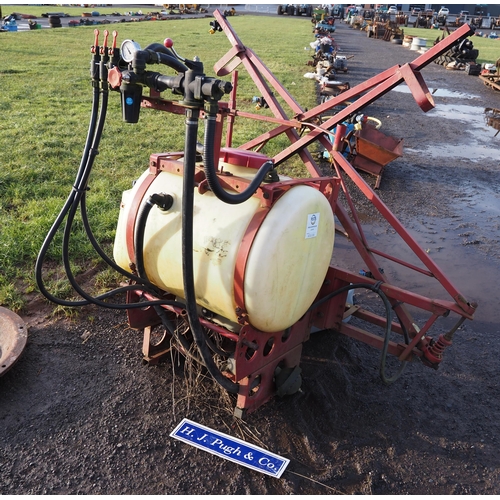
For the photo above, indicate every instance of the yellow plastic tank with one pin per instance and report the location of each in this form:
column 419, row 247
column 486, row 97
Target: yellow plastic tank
column 286, row 265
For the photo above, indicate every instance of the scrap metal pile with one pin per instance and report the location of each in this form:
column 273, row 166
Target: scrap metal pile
column 459, row 55
column 365, row 146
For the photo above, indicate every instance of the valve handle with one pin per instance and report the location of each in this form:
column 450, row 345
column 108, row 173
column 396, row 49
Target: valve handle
column 105, row 42
column 115, row 37
column 94, row 47
column 169, row 43
column 115, row 77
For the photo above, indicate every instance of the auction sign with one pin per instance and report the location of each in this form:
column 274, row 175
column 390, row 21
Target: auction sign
column 230, row 448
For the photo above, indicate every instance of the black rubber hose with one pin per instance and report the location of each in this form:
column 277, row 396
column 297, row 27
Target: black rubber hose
column 166, row 57
column 80, row 188
column 69, row 201
column 158, row 47
column 140, row 228
column 211, row 170
column 172, row 62
column 164, row 201
column 388, row 311
column 80, row 193
column 69, row 209
column 100, row 251
column 187, row 252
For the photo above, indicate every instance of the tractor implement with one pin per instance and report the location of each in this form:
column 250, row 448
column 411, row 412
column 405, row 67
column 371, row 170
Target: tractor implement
column 230, row 261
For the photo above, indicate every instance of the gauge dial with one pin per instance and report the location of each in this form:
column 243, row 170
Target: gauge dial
column 128, row 50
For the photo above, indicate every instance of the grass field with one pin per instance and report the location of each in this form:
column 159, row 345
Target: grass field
column 45, row 107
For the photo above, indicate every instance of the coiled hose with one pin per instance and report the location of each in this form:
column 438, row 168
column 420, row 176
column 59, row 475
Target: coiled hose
column 388, row 311
column 75, row 199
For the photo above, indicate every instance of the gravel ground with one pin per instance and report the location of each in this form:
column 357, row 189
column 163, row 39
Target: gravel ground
column 81, row 414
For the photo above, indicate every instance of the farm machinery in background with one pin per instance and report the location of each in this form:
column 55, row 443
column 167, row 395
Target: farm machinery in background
column 230, row 262
column 295, row 10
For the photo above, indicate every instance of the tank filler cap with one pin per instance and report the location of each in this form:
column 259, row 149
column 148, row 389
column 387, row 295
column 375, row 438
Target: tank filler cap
column 243, row 158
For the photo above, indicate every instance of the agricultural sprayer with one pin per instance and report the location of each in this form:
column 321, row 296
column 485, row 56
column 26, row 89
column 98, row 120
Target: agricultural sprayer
column 230, row 261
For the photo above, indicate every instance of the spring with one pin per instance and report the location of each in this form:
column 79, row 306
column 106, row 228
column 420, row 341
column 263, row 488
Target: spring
column 435, row 352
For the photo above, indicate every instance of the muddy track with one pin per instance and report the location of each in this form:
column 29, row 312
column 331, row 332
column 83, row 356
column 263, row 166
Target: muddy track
column 80, row 413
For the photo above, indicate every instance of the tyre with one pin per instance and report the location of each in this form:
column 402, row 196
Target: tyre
column 473, row 54
column 55, row 22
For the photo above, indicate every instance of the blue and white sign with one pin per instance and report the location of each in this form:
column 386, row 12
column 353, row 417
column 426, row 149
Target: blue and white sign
column 312, row 225
column 230, row 448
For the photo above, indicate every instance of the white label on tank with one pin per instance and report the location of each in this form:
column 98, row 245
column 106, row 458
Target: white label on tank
column 312, row 225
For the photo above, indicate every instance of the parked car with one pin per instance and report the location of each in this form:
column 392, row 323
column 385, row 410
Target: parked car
column 464, row 13
column 416, row 11
column 392, row 10
column 443, row 11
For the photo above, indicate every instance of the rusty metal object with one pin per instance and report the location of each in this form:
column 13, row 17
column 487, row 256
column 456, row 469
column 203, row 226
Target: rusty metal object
column 13, row 338
column 492, row 117
column 374, row 150
column 492, row 81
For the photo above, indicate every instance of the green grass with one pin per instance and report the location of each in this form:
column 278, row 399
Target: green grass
column 489, row 49
column 38, row 10
column 45, row 105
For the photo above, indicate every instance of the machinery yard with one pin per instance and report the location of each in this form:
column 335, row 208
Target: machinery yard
column 82, row 414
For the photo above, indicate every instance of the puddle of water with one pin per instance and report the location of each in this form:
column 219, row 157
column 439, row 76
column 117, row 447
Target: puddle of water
column 483, row 201
column 437, row 92
column 473, row 116
column 478, row 124
column 468, row 270
column 473, row 152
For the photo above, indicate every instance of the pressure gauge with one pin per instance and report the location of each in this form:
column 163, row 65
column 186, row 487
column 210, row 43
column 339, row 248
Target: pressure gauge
column 128, row 50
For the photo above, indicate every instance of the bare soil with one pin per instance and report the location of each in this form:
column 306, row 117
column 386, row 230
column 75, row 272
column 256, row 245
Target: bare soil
column 81, row 414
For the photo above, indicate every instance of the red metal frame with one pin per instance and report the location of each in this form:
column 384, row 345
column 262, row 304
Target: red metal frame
column 255, row 372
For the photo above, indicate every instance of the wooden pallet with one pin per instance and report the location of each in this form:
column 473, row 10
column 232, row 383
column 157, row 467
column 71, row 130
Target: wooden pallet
column 492, row 81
